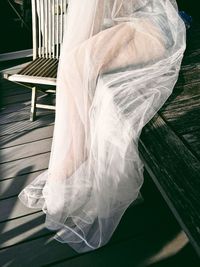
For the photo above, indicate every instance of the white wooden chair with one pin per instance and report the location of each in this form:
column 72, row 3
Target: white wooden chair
column 48, row 20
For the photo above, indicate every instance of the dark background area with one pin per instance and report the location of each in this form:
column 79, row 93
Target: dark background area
column 191, row 7
column 15, row 36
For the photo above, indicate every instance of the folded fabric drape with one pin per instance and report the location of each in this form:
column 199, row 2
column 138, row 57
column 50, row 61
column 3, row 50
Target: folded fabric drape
column 119, row 62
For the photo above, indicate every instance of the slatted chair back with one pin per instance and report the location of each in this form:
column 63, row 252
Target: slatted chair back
column 48, row 20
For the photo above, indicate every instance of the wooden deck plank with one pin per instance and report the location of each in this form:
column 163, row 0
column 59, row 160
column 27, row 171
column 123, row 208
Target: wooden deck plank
column 21, row 225
column 17, row 98
column 15, row 107
column 26, row 228
column 12, row 208
column 35, row 253
column 179, row 174
column 182, row 96
column 11, row 89
column 193, row 139
column 22, row 229
column 22, row 106
column 182, row 109
column 184, row 103
column 129, row 253
column 132, row 227
column 189, row 74
column 25, row 150
column 183, row 120
column 23, row 98
column 24, row 166
column 27, row 137
column 19, row 128
column 12, row 187
column 22, row 114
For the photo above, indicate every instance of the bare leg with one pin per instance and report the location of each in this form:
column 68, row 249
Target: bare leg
column 115, row 47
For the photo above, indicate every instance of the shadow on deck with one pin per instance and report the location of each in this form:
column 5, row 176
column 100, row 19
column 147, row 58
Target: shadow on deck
column 148, row 234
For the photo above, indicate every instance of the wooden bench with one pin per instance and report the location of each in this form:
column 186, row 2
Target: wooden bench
column 170, row 145
column 176, row 172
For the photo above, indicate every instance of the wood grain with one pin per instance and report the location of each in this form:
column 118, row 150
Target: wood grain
column 176, row 172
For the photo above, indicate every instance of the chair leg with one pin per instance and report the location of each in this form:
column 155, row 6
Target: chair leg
column 33, row 104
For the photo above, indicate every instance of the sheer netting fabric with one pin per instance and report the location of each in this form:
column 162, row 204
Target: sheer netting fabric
column 119, row 62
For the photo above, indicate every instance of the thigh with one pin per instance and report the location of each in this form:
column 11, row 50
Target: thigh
column 120, row 46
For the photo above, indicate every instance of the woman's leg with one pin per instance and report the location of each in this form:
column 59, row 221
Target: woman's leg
column 119, row 46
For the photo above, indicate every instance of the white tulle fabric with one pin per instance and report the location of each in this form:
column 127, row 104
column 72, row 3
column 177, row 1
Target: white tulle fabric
column 119, row 62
